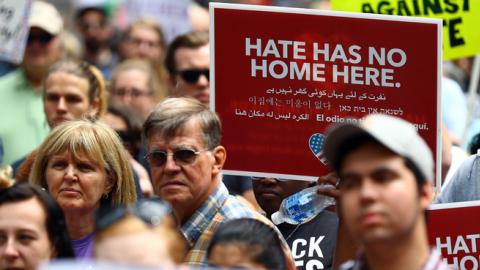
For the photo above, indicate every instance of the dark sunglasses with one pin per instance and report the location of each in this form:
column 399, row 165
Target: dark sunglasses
column 43, row 38
column 151, row 211
column 192, row 75
column 158, row 158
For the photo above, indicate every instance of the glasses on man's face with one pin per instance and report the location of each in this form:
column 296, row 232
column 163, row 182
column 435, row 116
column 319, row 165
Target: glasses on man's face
column 131, row 92
column 152, row 211
column 137, row 42
column 158, row 158
column 192, row 75
column 42, row 38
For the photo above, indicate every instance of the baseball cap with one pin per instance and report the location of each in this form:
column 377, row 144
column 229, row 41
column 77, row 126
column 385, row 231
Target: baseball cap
column 45, row 16
column 394, row 133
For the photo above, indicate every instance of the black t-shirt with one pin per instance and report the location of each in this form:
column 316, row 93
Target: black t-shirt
column 312, row 243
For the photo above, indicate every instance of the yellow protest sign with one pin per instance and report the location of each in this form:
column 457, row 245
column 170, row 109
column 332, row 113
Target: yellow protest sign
column 461, row 19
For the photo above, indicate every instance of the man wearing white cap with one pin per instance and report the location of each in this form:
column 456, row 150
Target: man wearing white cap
column 23, row 125
column 385, row 171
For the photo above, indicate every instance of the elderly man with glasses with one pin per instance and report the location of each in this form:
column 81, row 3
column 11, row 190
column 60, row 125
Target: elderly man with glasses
column 23, row 125
column 186, row 159
column 188, row 62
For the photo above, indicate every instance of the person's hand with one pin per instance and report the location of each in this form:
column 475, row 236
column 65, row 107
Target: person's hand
column 328, row 186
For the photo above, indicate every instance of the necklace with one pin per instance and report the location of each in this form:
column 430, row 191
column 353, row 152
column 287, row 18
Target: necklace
column 293, row 231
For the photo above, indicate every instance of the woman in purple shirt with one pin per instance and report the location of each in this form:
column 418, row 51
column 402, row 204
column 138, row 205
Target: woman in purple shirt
column 83, row 165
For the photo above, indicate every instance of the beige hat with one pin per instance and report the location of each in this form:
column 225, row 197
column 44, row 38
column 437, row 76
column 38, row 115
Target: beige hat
column 394, row 133
column 45, row 16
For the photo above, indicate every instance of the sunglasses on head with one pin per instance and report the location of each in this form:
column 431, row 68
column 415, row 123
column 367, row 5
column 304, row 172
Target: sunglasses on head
column 42, row 38
column 158, row 158
column 192, row 75
column 151, row 211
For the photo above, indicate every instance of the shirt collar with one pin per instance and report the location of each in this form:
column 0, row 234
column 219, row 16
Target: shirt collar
column 203, row 216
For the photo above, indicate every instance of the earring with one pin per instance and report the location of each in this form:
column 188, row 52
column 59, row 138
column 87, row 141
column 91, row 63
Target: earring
column 105, row 196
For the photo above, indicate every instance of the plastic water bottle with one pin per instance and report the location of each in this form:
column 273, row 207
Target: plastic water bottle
column 301, row 206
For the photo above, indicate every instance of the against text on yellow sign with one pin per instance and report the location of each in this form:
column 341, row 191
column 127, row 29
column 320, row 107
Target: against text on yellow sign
column 461, row 19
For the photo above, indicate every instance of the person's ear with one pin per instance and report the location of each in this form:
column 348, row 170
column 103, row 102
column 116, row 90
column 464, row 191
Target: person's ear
column 426, row 195
column 53, row 252
column 173, row 83
column 220, row 155
column 111, row 180
column 94, row 107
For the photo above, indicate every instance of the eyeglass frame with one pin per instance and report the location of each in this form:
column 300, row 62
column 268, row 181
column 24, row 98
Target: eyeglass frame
column 205, row 72
column 133, row 93
column 196, row 154
column 43, row 38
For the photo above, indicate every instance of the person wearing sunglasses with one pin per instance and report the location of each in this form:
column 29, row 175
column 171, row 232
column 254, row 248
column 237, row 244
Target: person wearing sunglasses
column 23, row 124
column 188, row 61
column 142, row 234
column 186, row 159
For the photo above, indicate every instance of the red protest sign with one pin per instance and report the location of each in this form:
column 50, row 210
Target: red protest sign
column 281, row 76
column 454, row 228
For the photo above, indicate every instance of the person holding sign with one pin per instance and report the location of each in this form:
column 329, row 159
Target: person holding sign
column 386, row 173
column 23, row 125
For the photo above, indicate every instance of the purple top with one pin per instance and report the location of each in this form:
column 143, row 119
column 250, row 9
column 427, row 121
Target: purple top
column 83, row 248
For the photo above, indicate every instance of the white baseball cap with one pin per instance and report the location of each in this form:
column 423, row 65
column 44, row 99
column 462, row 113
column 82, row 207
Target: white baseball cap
column 45, row 16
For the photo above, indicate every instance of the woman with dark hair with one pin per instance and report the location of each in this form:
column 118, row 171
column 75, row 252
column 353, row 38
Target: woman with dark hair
column 32, row 228
column 246, row 243
column 128, row 125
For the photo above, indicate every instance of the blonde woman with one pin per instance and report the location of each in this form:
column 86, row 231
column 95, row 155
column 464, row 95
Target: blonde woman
column 83, row 165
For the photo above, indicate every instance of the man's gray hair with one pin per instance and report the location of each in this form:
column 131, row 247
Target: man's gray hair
column 171, row 115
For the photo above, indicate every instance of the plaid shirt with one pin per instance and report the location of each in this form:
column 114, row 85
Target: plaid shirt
column 199, row 229
column 434, row 262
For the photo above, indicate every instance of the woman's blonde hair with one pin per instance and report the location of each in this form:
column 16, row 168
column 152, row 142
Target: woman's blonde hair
column 95, row 141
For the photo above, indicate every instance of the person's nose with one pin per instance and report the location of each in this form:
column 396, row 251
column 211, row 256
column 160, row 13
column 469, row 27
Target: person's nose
column 126, row 98
column 267, row 181
column 70, row 172
column 368, row 191
column 171, row 165
column 10, row 250
column 62, row 105
column 203, row 80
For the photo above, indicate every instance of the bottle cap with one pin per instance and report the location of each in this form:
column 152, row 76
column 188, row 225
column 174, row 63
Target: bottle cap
column 276, row 218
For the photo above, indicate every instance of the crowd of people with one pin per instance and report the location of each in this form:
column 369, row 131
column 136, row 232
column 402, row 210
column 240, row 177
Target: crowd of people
column 110, row 153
